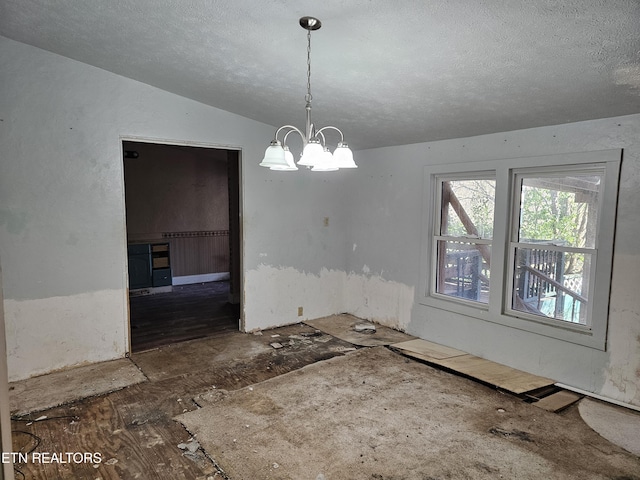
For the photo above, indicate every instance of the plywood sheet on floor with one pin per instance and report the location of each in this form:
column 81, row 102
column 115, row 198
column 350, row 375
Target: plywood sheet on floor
column 342, row 327
column 423, row 348
column 372, row 414
column 559, row 401
column 502, row 376
column 47, row 391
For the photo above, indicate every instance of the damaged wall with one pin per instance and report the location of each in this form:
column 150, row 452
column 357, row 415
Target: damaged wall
column 62, row 212
column 386, row 231
column 330, row 243
column 301, row 256
column 282, row 290
column 62, row 220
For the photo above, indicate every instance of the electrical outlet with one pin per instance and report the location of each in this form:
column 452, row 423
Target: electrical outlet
column 300, row 310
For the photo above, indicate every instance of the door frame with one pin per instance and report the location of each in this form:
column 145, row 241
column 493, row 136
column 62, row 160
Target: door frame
column 6, row 470
column 240, row 190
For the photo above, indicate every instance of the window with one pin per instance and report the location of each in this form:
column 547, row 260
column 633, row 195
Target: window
column 554, row 243
column 463, row 240
column 526, row 242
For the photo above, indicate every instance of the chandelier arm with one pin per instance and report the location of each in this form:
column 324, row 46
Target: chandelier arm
column 284, row 140
column 291, row 129
column 319, row 132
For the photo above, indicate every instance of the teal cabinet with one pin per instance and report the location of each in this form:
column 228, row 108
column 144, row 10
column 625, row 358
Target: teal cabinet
column 149, row 265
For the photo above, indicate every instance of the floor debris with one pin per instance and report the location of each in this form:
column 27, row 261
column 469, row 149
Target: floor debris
column 365, row 328
column 524, row 436
column 210, row 396
column 340, row 348
column 323, row 338
column 317, row 333
column 191, row 446
column 342, row 327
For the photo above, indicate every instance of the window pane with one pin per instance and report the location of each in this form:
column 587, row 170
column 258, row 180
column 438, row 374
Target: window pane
column 463, row 270
column 467, row 208
column 552, row 284
column 561, row 210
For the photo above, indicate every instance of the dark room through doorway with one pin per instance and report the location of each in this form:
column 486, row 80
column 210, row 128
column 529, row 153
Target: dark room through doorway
column 183, row 242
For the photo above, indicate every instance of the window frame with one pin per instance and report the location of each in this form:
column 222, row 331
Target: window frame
column 504, row 171
column 515, row 242
column 438, row 236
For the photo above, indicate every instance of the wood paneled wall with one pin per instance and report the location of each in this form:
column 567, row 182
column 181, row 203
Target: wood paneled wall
column 198, row 252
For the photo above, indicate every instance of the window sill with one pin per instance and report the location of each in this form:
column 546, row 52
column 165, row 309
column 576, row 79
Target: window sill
column 559, row 330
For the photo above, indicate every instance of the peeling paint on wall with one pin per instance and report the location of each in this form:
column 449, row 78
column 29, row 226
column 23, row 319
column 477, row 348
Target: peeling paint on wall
column 273, row 295
column 373, row 298
column 53, row 333
column 624, row 333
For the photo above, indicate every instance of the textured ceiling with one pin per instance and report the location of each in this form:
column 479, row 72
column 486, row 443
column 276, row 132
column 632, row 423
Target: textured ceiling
column 385, row 72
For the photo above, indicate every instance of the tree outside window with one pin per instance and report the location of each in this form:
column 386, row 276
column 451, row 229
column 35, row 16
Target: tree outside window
column 464, row 240
column 554, row 244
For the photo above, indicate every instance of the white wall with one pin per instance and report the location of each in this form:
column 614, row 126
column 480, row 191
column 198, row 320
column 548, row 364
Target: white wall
column 63, row 244
column 385, row 230
column 62, row 212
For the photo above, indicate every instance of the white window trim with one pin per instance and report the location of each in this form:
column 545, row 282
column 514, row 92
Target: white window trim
column 594, row 335
column 437, row 219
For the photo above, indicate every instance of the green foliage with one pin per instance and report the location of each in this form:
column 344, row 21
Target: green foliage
column 555, row 216
column 549, row 212
column 477, row 197
column 552, row 215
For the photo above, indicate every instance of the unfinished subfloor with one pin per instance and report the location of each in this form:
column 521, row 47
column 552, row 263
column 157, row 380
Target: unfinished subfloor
column 314, row 408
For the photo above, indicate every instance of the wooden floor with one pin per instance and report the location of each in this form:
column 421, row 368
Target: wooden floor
column 187, row 313
column 133, row 431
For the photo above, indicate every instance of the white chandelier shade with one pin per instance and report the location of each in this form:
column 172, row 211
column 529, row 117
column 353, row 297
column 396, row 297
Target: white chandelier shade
column 315, row 152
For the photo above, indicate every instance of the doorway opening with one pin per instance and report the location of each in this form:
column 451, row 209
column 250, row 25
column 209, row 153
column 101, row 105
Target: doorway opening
column 183, row 240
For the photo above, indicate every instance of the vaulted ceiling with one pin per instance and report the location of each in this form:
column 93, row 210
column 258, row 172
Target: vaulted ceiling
column 385, row 72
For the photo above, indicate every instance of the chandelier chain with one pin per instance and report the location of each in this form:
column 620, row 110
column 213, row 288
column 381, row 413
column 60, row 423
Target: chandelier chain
column 308, row 97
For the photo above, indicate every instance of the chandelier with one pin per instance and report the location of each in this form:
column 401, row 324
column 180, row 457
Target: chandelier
column 315, row 152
